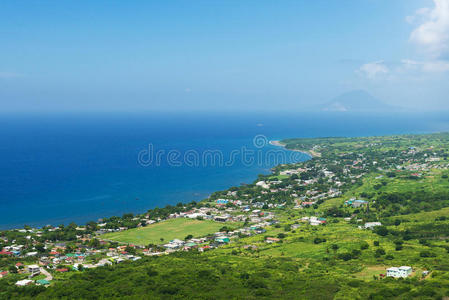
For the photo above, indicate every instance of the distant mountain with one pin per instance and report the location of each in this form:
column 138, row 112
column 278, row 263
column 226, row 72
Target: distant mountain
column 357, row 100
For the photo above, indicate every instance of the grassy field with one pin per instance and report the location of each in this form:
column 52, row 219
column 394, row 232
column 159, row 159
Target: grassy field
column 168, row 230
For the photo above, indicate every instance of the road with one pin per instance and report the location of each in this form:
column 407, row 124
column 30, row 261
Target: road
column 48, row 275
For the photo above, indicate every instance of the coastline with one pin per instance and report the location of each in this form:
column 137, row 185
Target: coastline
column 67, row 220
column 310, row 153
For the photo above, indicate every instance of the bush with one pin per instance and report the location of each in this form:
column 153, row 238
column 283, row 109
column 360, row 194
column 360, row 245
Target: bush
column 381, row 230
column 379, row 252
column 334, row 247
column 364, row 246
column 356, row 253
column 281, row 235
column 426, row 254
column 345, row 256
column 318, row 240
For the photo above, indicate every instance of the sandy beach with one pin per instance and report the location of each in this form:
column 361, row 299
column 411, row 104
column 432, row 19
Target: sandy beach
column 311, row 153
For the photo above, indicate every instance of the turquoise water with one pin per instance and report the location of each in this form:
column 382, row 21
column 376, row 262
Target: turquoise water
column 61, row 168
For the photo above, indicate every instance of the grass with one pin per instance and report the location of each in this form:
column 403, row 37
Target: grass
column 370, row 271
column 278, row 177
column 168, row 230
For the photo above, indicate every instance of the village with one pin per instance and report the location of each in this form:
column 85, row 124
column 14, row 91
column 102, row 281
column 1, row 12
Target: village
column 40, row 255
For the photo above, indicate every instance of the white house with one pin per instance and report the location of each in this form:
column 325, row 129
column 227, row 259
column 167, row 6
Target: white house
column 400, row 272
column 33, row 269
column 371, row 225
column 263, row 184
column 24, row 282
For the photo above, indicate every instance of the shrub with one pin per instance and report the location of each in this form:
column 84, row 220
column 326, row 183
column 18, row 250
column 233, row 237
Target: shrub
column 379, row 252
column 318, row 240
column 426, row 254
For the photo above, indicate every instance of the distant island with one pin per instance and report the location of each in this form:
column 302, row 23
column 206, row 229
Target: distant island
column 365, row 218
column 356, row 101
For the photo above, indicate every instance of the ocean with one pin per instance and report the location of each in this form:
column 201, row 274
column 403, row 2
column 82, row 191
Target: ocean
column 62, row 168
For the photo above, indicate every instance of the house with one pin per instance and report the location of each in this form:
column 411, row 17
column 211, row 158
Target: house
column 222, row 201
column 33, row 269
column 24, row 282
column 221, row 218
column 356, row 203
column 42, row 282
column 295, row 226
column 314, row 221
column 307, row 203
column 263, row 184
column 119, row 260
column 3, row 273
column 62, row 270
column 401, row 272
column 271, row 240
column 222, row 239
column 371, row 225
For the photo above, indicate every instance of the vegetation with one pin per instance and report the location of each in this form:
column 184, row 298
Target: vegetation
column 166, row 230
column 402, row 179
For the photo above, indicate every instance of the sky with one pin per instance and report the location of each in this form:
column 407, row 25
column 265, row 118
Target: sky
column 221, row 55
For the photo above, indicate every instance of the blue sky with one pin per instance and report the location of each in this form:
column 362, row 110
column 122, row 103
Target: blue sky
column 221, row 55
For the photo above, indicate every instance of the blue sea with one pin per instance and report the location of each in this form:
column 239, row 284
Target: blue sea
column 59, row 168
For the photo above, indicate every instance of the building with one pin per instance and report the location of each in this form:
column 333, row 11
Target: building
column 371, row 225
column 356, row 203
column 222, row 239
column 271, row 240
column 24, row 282
column 33, row 269
column 401, row 272
column 221, row 218
column 42, row 282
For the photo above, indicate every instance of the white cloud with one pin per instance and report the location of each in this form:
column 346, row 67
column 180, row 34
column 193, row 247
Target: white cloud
column 426, row 66
column 419, row 15
column 373, row 70
column 432, row 34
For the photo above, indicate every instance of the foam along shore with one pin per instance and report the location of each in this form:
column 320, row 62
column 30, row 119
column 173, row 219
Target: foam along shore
column 311, row 153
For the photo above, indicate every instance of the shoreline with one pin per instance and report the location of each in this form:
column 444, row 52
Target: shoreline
column 310, row 153
column 70, row 220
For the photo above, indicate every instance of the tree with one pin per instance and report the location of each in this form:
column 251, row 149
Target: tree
column 130, row 250
column 12, row 269
column 381, row 230
column 379, row 252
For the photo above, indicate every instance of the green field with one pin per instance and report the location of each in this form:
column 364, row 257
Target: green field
column 168, row 230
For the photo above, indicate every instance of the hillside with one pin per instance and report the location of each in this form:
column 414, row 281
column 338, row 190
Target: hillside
column 302, row 236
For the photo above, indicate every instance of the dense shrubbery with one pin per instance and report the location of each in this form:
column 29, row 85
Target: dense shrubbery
column 194, row 276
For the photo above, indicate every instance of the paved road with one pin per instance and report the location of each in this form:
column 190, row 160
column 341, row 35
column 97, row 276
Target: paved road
column 48, row 275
